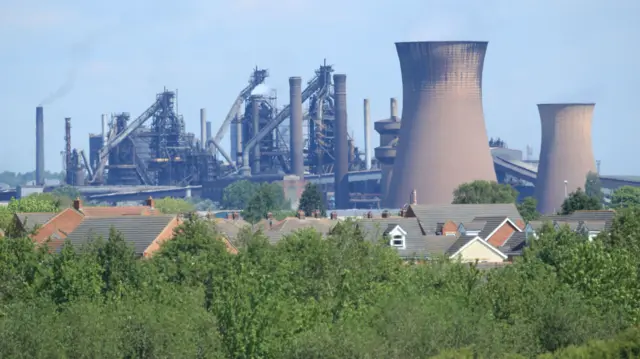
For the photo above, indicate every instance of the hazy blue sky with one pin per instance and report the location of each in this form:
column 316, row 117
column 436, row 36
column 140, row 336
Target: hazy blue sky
column 121, row 53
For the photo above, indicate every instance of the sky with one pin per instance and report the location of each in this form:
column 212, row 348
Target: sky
column 82, row 59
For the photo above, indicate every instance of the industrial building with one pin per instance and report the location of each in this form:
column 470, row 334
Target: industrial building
column 442, row 99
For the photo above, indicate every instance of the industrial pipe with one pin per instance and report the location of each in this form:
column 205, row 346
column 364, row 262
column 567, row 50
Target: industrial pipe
column 39, row 146
column 203, row 129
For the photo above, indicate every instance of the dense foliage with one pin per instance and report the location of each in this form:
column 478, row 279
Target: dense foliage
column 528, row 209
column 170, row 205
column 311, row 200
column 238, row 194
column 269, row 197
column 17, row 179
column 580, row 201
column 625, row 197
column 309, row 297
column 484, row 192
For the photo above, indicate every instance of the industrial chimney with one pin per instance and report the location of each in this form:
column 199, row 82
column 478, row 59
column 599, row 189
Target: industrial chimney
column 203, row 128
column 341, row 166
column 389, row 129
column 442, row 101
column 69, row 170
column 39, row 146
column 295, row 126
column 566, row 154
column 255, row 117
column 367, row 131
column 103, row 119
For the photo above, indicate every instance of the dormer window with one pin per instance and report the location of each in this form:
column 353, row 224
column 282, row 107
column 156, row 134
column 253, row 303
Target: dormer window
column 397, row 237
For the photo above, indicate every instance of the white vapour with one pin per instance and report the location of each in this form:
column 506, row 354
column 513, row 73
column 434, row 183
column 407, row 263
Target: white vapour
column 261, row 89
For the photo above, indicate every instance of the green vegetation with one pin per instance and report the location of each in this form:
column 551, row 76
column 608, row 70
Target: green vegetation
column 580, row 201
column 37, row 202
column 269, row 197
column 238, row 194
column 170, row 205
column 625, row 197
column 528, row 209
column 484, row 192
column 593, row 187
column 311, row 200
column 309, row 297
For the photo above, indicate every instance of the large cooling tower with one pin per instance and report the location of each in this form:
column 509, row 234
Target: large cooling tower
column 565, row 152
column 443, row 140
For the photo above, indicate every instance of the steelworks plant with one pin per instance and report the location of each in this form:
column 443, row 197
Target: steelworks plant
column 566, row 153
column 442, row 100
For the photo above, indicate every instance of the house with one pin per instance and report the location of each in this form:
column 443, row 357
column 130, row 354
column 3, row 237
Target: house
column 588, row 223
column 408, row 238
column 144, row 233
column 434, row 217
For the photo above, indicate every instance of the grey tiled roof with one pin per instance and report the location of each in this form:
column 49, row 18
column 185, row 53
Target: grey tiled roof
column 292, row 225
column 417, row 245
column 431, row 215
column 474, row 225
column 491, row 224
column 515, row 244
column 138, row 231
column 34, row 219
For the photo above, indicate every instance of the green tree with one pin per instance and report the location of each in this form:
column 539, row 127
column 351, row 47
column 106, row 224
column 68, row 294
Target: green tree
column 593, row 186
column 484, row 192
column 527, row 209
column 268, row 198
column 238, row 194
column 311, row 200
column 579, row 201
column 625, row 197
column 38, row 202
column 170, row 205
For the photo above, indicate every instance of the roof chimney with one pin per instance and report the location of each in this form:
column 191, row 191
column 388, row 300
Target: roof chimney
column 77, row 204
column 385, row 214
column 402, row 212
column 234, row 215
column 149, row 202
column 369, row 215
column 316, row 214
column 334, row 215
column 414, row 197
column 300, row 214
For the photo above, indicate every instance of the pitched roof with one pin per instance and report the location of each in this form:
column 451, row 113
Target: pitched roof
column 417, row 245
column 289, row 225
column 138, row 231
column 119, row 211
column 430, row 215
column 34, row 219
column 491, row 224
column 515, row 244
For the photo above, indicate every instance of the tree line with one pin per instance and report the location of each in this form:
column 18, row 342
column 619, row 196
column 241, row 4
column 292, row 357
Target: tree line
column 312, row 297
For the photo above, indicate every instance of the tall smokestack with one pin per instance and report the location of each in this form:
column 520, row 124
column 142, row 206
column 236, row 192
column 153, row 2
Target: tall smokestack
column 367, row 134
column 295, row 126
column 442, row 95
column 255, row 116
column 39, row 146
column 341, row 166
column 209, row 130
column 566, row 153
column 69, row 170
column 203, row 128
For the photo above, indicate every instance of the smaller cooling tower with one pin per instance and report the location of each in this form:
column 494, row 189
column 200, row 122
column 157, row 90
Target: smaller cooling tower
column 566, row 153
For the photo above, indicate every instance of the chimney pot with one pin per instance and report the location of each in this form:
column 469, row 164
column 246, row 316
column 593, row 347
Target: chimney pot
column 300, row 214
column 369, row 214
column 414, row 197
column 150, row 202
column 77, row 204
column 334, row 215
column 235, row 215
column 385, row 214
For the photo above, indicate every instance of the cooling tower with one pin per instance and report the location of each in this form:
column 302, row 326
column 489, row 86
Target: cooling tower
column 565, row 152
column 203, row 129
column 443, row 140
column 341, row 166
column 389, row 130
column 39, row 146
column 295, row 126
